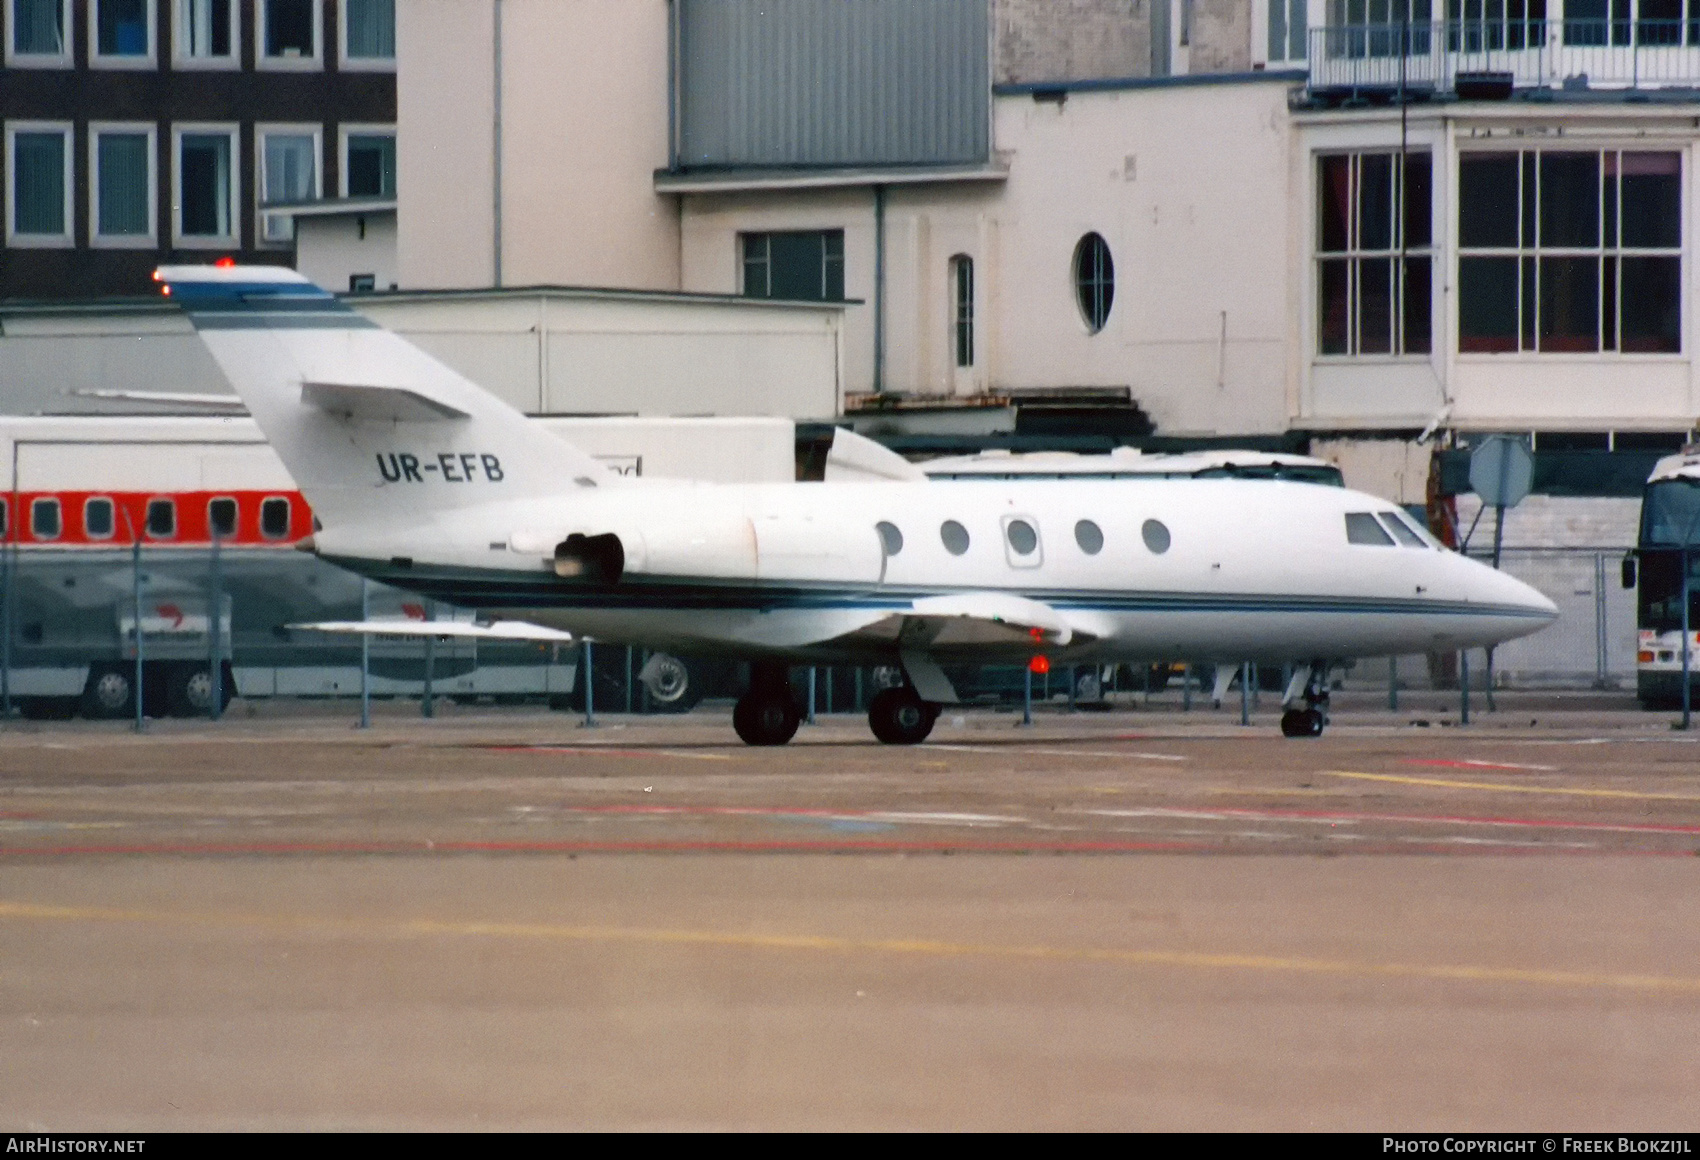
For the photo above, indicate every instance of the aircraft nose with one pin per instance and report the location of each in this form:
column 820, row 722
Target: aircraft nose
column 1495, row 587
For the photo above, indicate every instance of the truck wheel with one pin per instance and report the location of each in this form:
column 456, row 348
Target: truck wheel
column 108, row 694
column 191, row 691
column 673, row 688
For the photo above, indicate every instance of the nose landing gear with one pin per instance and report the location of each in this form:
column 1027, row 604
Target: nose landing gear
column 1306, row 701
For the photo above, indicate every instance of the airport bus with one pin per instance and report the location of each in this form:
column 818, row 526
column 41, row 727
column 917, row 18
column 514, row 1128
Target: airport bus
column 1670, row 522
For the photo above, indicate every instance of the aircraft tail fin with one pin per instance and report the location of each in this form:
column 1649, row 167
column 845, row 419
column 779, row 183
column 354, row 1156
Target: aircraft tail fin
column 371, row 427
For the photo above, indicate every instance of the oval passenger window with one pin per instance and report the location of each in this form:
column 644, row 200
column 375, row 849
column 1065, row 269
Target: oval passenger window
column 955, row 537
column 1022, row 538
column 1089, row 536
column 890, row 538
column 1156, row 536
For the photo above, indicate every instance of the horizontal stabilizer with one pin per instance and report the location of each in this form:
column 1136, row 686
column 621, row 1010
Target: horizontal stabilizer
column 457, row 629
column 169, row 399
column 368, row 401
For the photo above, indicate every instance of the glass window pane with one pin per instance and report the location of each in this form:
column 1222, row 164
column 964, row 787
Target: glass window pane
column 1570, row 199
column 1362, row 528
column 963, row 312
column 1155, row 535
column 221, row 516
column 121, row 203
column 274, row 518
column 891, row 539
column 954, row 536
column 1334, row 203
column 1023, row 540
column 832, row 265
column 38, row 183
column 1418, row 328
column 1375, row 201
column 44, row 519
column 290, row 165
column 756, row 283
column 1400, row 532
column 798, row 266
column 1570, row 304
column 1652, row 199
column 1652, row 305
column 1487, row 199
column 1487, row 304
column 1094, row 280
column 121, row 28
column 162, row 518
column 289, row 28
column 1375, row 305
column 97, row 518
column 204, row 28
column 38, row 26
column 204, row 167
column 1089, row 536
column 1334, row 313
column 1419, row 208
column 371, row 28
column 371, row 165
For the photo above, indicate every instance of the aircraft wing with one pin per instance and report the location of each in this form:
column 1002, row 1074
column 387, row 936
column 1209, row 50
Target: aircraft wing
column 956, row 622
column 457, row 629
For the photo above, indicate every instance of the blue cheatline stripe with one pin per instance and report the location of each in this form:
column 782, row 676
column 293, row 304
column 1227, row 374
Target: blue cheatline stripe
column 491, row 588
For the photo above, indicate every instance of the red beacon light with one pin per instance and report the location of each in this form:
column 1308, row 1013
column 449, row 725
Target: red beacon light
column 1040, row 664
column 225, row 263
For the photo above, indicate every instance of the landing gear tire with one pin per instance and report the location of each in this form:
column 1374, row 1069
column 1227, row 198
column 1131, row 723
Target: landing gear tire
column 108, row 693
column 766, row 717
column 1301, row 723
column 900, row 717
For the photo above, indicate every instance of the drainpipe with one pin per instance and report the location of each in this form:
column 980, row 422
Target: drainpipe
column 496, row 144
column 879, row 289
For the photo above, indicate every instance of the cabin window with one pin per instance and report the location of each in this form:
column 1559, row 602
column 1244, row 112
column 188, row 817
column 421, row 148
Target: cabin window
column 5, row 510
column 221, row 517
column 97, row 518
column 1362, row 528
column 955, row 537
column 1023, row 540
column 44, row 519
column 1155, row 535
column 274, row 518
column 1402, row 531
column 162, row 518
column 1089, row 536
column 891, row 540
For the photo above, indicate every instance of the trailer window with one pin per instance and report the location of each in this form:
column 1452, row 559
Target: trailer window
column 274, row 518
column 97, row 518
column 221, row 517
column 162, row 518
column 1362, row 528
column 44, row 519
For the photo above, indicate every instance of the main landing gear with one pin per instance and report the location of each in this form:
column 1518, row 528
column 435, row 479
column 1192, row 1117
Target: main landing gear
column 768, row 713
column 1307, row 702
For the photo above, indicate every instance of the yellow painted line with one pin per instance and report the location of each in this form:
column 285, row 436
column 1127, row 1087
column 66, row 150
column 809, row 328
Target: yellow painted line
column 1574, row 791
column 830, row 944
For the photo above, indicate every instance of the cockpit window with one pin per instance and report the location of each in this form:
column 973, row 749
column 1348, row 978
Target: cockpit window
column 1362, row 528
column 1402, row 531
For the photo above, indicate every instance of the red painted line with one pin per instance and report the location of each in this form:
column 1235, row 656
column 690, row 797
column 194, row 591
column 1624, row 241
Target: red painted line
column 589, row 750
column 1459, row 820
column 632, row 847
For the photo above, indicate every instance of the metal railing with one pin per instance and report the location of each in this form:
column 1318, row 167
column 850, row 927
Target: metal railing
column 1431, row 56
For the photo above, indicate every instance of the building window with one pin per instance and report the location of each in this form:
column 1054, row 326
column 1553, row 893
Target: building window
column 962, row 311
column 1564, row 251
column 39, row 192
column 801, row 266
column 1374, row 266
column 368, row 163
column 206, row 32
column 289, row 173
column 1360, row 28
column 1094, row 281
column 121, row 208
column 38, row 32
column 122, row 31
column 288, row 32
column 368, row 31
column 206, row 186
column 1286, row 30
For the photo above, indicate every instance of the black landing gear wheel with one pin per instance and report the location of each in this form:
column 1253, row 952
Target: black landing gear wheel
column 766, row 716
column 900, row 717
column 1301, row 723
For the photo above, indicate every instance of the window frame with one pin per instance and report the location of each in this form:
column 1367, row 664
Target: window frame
column 67, row 238
column 314, row 63
column 98, row 240
column 61, row 59
column 1101, row 289
column 233, row 132
column 824, row 234
column 112, row 512
column 283, row 129
column 148, row 59
column 180, row 58
column 361, row 129
column 346, row 63
column 1527, row 255
column 1013, row 555
column 1399, row 254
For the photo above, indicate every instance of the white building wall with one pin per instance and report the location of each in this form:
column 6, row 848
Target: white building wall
column 332, row 248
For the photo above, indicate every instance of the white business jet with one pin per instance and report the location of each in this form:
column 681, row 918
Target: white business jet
column 424, row 481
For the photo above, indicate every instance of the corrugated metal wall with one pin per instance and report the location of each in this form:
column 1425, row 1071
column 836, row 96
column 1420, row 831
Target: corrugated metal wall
column 833, row 82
